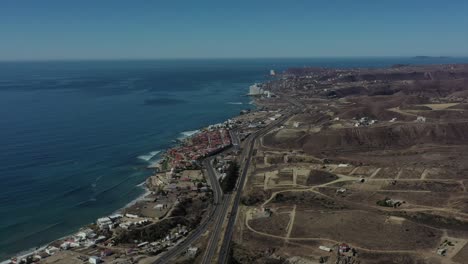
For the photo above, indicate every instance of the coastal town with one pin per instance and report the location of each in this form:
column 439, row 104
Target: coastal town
column 338, row 166
column 178, row 198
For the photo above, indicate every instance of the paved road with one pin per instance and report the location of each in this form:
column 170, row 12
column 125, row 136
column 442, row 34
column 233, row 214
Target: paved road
column 220, row 215
column 224, row 251
column 221, row 206
column 217, row 214
column 215, row 234
column 200, row 230
column 235, row 138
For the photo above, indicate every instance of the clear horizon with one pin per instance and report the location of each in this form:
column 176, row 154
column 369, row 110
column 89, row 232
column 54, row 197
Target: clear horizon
column 121, row 30
column 231, row 58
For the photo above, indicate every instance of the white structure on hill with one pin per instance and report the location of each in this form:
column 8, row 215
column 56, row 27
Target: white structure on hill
column 421, row 119
column 255, row 89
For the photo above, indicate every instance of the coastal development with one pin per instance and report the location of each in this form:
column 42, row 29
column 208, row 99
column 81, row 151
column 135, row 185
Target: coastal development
column 333, row 166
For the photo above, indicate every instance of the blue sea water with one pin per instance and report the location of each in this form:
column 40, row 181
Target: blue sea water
column 76, row 136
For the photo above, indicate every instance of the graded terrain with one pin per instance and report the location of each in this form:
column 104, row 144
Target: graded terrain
column 370, row 168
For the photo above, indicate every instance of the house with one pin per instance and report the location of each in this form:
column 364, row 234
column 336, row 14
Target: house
column 103, row 222
column 341, row 190
column 100, row 239
column 324, row 248
column 51, row 250
column 192, row 251
column 94, row 260
column 80, row 236
column 421, row 119
column 344, row 248
column 115, row 217
column 442, row 251
column 142, row 244
column 131, row 215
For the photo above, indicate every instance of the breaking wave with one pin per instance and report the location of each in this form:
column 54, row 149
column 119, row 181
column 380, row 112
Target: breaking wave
column 149, row 156
column 187, row 134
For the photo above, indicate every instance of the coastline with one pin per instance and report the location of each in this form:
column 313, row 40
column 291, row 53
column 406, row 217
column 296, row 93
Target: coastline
column 31, row 251
column 151, row 165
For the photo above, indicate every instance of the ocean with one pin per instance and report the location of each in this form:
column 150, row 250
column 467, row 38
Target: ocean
column 76, row 136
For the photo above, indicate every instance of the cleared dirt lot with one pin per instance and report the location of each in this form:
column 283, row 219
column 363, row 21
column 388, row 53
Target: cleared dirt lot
column 365, row 229
column 462, row 255
column 411, row 173
column 374, row 175
column 274, row 225
column 433, row 186
column 306, row 200
column 317, row 177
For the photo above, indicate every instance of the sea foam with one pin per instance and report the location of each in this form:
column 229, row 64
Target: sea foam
column 187, row 134
column 149, row 156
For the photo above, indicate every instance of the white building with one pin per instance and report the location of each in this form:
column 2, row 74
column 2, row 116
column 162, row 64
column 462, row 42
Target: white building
column 324, row 248
column 103, row 222
column 255, row 89
column 192, row 251
column 115, row 217
column 94, row 260
column 51, row 250
column 421, row 119
column 131, row 215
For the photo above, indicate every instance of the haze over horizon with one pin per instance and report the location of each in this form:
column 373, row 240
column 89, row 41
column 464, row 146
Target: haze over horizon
column 51, row 29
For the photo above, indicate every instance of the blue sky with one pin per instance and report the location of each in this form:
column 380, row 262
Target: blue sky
column 115, row 29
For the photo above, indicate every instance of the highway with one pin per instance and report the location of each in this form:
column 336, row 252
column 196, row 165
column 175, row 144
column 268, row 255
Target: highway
column 224, row 251
column 166, row 257
column 212, row 244
column 222, row 202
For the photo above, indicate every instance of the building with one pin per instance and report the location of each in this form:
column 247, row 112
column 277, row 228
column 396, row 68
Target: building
column 255, row 89
column 421, row 119
column 94, row 260
column 51, row 250
column 131, row 215
column 324, row 248
column 442, row 251
column 104, row 222
column 192, row 251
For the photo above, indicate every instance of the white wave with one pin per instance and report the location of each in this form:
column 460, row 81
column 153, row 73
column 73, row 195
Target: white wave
column 187, row 134
column 149, row 156
column 235, row 103
column 154, row 164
